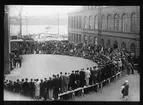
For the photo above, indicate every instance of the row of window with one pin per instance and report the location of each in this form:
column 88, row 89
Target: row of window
column 77, row 38
column 125, row 23
column 123, row 45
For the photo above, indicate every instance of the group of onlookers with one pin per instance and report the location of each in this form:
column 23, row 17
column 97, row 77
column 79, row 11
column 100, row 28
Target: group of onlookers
column 109, row 63
column 15, row 60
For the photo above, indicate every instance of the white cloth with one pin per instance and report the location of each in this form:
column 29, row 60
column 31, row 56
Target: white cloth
column 120, row 63
column 87, row 73
column 37, row 89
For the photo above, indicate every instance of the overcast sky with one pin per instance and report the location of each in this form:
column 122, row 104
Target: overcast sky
column 38, row 10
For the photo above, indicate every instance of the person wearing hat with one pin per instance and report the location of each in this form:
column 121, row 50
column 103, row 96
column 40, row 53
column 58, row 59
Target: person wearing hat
column 62, row 82
column 41, row 89
column 125, row 89
column 18, row 87
column 32, row 88
column 26, row 87
column 37, row 89
column 10, row 86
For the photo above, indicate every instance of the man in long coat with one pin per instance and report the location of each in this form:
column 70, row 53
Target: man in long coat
column 26, row 87
column 66, row 82
column 125, row 89
column 32, row 88
column 18, row 87
column 82, row 78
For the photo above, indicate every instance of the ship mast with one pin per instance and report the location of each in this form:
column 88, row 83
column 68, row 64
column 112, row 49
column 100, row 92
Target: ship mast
column 58, row 23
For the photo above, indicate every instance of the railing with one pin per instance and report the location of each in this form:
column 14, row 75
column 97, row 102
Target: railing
column 82, row 90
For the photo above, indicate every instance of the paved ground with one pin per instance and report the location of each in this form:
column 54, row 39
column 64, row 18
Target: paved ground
column 112, row 92
column 45, row 65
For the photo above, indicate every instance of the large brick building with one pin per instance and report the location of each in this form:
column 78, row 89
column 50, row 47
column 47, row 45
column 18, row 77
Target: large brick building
column 107, row 26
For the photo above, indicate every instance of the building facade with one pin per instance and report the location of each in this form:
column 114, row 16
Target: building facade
column 108, row 26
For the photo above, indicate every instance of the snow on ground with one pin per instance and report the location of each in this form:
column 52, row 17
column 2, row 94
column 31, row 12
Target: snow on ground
column 45, row 65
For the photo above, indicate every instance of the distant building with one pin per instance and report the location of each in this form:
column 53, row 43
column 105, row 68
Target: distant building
column 108, row 26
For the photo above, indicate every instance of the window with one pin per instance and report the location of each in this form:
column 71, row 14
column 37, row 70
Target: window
column 133, row 22
column 133, row 48
column 102, row 42
column 123, row 46
column 76, row 37
column 85, row 39
column 116, row 22
column 74, row 23
column 79, row 38
column 104, row 22
column 115, row 44
column 109, row 21
column 108, row 43
column 79, row 21
column 95, row 41
column 95, row 22
column 71, row 22
column 90, row 39
column 90, row 22
column 85, row 22
column 125, row 23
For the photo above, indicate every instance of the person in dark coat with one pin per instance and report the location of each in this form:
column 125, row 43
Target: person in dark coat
column 82, row 78
column 62, row 82
column 66, row 82
column 77, row 78
column 10, row 86
column 125, row 90
column 22, row 81
column 32, row 88
column 72, row 81
column 45, row 87
column 56, row 83
column 41, row 89
column 26, row 88
column 18, row 87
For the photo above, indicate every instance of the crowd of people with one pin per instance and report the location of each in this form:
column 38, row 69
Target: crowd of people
column 109, row 60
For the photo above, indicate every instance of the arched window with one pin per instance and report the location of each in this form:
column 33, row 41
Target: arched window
column 115, row 44
column 74, row 37
column 108, row 43
column 95, row 40
column 133, row 22
column 109, row 22
column 79, row 21
column 90, row 22
column 71, row 22
column 104, row 22
column 85, row 39
column 102, row 42
column 95, row 22
column 133, row 48
column 116, row 22
column 90, row 39
column 123, row 46
column 76, row 21
column 125, row 23
column 79, row 38
column 85, row 22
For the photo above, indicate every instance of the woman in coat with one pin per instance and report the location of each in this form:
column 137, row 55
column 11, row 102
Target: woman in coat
column 37, row 89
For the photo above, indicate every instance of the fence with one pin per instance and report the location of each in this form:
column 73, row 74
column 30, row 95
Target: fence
column 83, row 90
